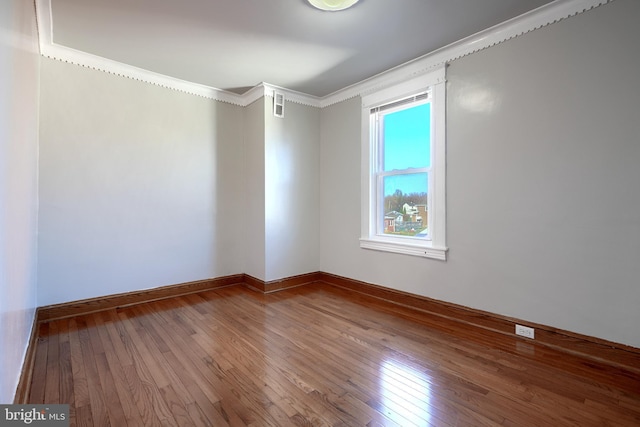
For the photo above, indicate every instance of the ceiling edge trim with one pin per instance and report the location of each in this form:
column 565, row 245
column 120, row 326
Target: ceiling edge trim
column 43, row 22
column 537, row 18
column 525, row 23
column 293, row 96
column 61, row 53
column 83, row 59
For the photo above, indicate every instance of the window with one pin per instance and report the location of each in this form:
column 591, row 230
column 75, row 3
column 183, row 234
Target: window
column 404, row 168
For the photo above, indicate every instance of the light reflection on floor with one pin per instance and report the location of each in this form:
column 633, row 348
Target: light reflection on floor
column 406, row 394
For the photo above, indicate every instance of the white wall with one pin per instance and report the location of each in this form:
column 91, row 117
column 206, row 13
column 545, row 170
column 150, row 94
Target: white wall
column 542, row 174
column 19, row 83
column 140, row 186
column 292, row 205
column 282, row 185
column 254, row 236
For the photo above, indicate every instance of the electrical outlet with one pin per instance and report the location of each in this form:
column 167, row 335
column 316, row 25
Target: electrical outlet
column 525, row 331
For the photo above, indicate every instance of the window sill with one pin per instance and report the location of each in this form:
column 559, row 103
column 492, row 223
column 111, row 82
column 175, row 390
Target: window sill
column 407, row 248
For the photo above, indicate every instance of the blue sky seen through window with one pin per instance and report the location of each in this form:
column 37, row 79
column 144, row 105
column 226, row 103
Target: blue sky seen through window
column 407, row 135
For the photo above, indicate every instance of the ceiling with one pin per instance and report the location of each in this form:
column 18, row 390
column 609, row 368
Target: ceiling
column 237, row 44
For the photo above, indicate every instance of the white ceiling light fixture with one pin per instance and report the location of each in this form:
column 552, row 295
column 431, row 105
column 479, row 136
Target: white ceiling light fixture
column 332, row 5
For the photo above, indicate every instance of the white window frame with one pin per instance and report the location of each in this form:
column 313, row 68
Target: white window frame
column 371, row 236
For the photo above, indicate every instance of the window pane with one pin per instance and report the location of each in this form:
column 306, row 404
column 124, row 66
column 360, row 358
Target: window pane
column 405, row 205
column 407, row 138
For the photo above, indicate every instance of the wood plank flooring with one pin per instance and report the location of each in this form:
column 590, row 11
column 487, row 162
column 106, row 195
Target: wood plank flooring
column 313, row 356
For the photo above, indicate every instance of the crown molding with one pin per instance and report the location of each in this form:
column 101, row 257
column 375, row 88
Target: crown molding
column 255, row 93
column 292, row 95
column 72, row 56
column 266, row 89
column 44, row 23
column 525, row 23
column 537, row 18
column 65, row 54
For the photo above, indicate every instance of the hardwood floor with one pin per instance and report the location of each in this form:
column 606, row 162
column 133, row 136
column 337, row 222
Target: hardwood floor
column 314, row 356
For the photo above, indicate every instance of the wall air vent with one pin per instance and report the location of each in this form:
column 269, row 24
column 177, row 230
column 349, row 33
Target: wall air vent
column 278, row 104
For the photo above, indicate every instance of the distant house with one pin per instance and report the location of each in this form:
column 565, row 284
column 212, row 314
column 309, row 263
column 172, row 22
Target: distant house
column 409, row 210
column 416, row 213
column 390, row 220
